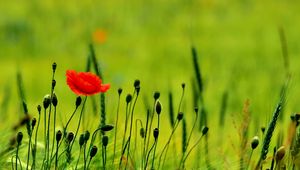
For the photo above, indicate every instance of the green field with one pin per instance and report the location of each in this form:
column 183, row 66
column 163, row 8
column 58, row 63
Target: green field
column 239, row 51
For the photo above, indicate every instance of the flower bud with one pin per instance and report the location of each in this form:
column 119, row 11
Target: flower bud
column 93, row 151
column 106, row 128
column 47, row 101
column 39, row 108
column 58, row 136
column 136, row 84
column 179, row 116
column 155, row 133
column 156, row 95
column 183, row 85
column 33, row 123
column 204, row 130
column 70, row 137
column 104, row 140
column 78, row 101
column 54, row 100
column 142, row 132
column 280, row 154
column 81, row 140
column 254, row 142
column 54, row 65
column 120, row 91
column 128, row 98
column 19, row 137
column 86, row 136
column 158, row 107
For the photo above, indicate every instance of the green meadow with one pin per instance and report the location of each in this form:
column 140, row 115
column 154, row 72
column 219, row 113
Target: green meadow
column 247, row 51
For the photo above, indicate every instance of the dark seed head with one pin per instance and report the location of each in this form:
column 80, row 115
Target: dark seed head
column 54, row 65
column 156, row 95
column 183, row 85
column 120, row 91
column 138, row 89
column 179, row 116
column 54, row 100
column 78, row 101
column 47, row 101
column 104, row 140
column 204, row 130
column 107, row 128
column 142, row 132
column 263, row 129
column 58, row 136
column 19, row 137
column 155, row 133
column 93, row 151
column 254, row 142
column 136, row 83
column 128, row 98
column 158, row 107
column 70, row 137
column 297, row 116
column 39, row 108
column 81, row 139
column 33, row 123
column 196, row 110
column 86, row 136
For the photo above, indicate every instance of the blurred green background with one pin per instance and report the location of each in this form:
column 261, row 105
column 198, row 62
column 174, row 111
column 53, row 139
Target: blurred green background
column 237, row 41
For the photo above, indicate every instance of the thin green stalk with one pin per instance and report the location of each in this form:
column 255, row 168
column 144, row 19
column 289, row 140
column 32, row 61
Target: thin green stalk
column 249, row 159
column 81, row 113
column 131, row 123
column 150, row 125
column 56, row 154
column 167, row 144
column 54, row 124
column 146, row 163
column 80, row 150
column 182, row 163
column 35, row 141
column 28, row 152
column 116, row 127
column 146, row 130
column 126, row 122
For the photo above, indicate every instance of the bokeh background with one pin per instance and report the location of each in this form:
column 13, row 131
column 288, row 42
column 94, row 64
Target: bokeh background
column 238, row 44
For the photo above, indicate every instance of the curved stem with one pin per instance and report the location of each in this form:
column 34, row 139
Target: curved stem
column 182, row 163
column 116, row 130
column 149, row 155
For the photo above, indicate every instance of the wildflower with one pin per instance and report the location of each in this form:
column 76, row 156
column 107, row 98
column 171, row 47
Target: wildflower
column 85, row 83
column 99, row 36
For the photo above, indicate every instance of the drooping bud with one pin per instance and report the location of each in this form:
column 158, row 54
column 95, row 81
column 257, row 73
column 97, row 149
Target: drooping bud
column 158, row 107
column 107, row 128
column 254, row 142
column 104, row 140
column 78, row 101
column 47, row 101
column 33, row 123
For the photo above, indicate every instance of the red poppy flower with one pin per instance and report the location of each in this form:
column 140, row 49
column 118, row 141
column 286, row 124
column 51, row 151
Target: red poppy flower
column 85, row 83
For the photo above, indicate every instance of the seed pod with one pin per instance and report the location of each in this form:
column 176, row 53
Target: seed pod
column 19, row 137
column 54, row 100
column 183, row 85
column 106, row 128
column 78, row 101
column 155, row 133
column 47, row 101
column 128, row 98
column 254, row 142
column 196, row 110
column 81, row 140
column 86, row 136
column 263, row 129
column 58, row 136
column 158, row 107
column 93, row 151
column 179, row 116
column 204, row 130
column 104, row 140
column 142, row 132
column 156, row 95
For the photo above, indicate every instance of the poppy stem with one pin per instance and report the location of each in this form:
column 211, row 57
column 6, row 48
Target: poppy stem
column 80, row 117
